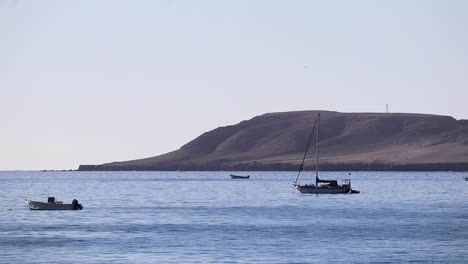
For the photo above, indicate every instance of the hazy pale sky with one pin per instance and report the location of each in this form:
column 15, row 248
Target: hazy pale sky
column 89, row 82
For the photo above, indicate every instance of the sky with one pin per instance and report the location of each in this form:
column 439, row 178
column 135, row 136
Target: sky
column 90, row 82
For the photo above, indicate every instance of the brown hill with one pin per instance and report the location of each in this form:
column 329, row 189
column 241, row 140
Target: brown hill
column 349, row 141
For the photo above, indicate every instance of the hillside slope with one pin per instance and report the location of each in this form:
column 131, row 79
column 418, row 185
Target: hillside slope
column 349, row 141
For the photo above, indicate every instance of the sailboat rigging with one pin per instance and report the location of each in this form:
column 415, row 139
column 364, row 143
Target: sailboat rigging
column 320, row 186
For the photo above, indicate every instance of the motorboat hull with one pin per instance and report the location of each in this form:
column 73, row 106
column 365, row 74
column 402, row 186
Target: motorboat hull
column 34, row 205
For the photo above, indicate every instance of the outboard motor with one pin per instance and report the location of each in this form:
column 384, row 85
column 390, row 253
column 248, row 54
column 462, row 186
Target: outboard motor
column 76, row 205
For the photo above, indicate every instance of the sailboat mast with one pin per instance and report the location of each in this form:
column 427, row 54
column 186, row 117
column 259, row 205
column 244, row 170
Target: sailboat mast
column 317, row 152
column 307, row 150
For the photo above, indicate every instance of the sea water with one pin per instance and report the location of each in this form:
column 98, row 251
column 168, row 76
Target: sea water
column 206, row 217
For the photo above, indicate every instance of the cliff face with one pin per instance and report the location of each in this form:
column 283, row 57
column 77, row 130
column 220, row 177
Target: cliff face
column 349, row 141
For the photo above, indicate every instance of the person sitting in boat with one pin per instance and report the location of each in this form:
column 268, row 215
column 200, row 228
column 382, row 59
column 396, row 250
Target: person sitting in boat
column 76, row 205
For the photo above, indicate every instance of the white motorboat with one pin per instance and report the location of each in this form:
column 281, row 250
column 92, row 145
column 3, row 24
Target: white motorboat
column 53, row 204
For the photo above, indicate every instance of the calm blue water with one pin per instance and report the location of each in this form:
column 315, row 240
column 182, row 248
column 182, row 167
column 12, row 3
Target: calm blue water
column 205, row 217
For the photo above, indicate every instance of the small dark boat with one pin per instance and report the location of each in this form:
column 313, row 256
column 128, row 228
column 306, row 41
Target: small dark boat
column 239, row 176
column 466, row 178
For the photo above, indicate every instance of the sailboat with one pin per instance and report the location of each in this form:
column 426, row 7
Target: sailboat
column 321, row 186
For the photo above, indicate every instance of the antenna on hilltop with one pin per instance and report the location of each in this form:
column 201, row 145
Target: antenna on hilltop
column 386, row 108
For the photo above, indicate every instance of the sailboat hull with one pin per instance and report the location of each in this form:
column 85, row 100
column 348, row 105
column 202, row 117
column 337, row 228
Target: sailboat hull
column 322, row 190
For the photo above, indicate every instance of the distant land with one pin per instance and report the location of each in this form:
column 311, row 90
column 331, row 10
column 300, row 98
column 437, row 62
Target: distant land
column 349, row 142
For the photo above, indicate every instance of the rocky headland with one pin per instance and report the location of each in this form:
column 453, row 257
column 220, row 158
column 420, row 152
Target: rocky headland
column 349, row 141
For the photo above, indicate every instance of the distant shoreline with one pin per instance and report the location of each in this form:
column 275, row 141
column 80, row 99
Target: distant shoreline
column 456, row 167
